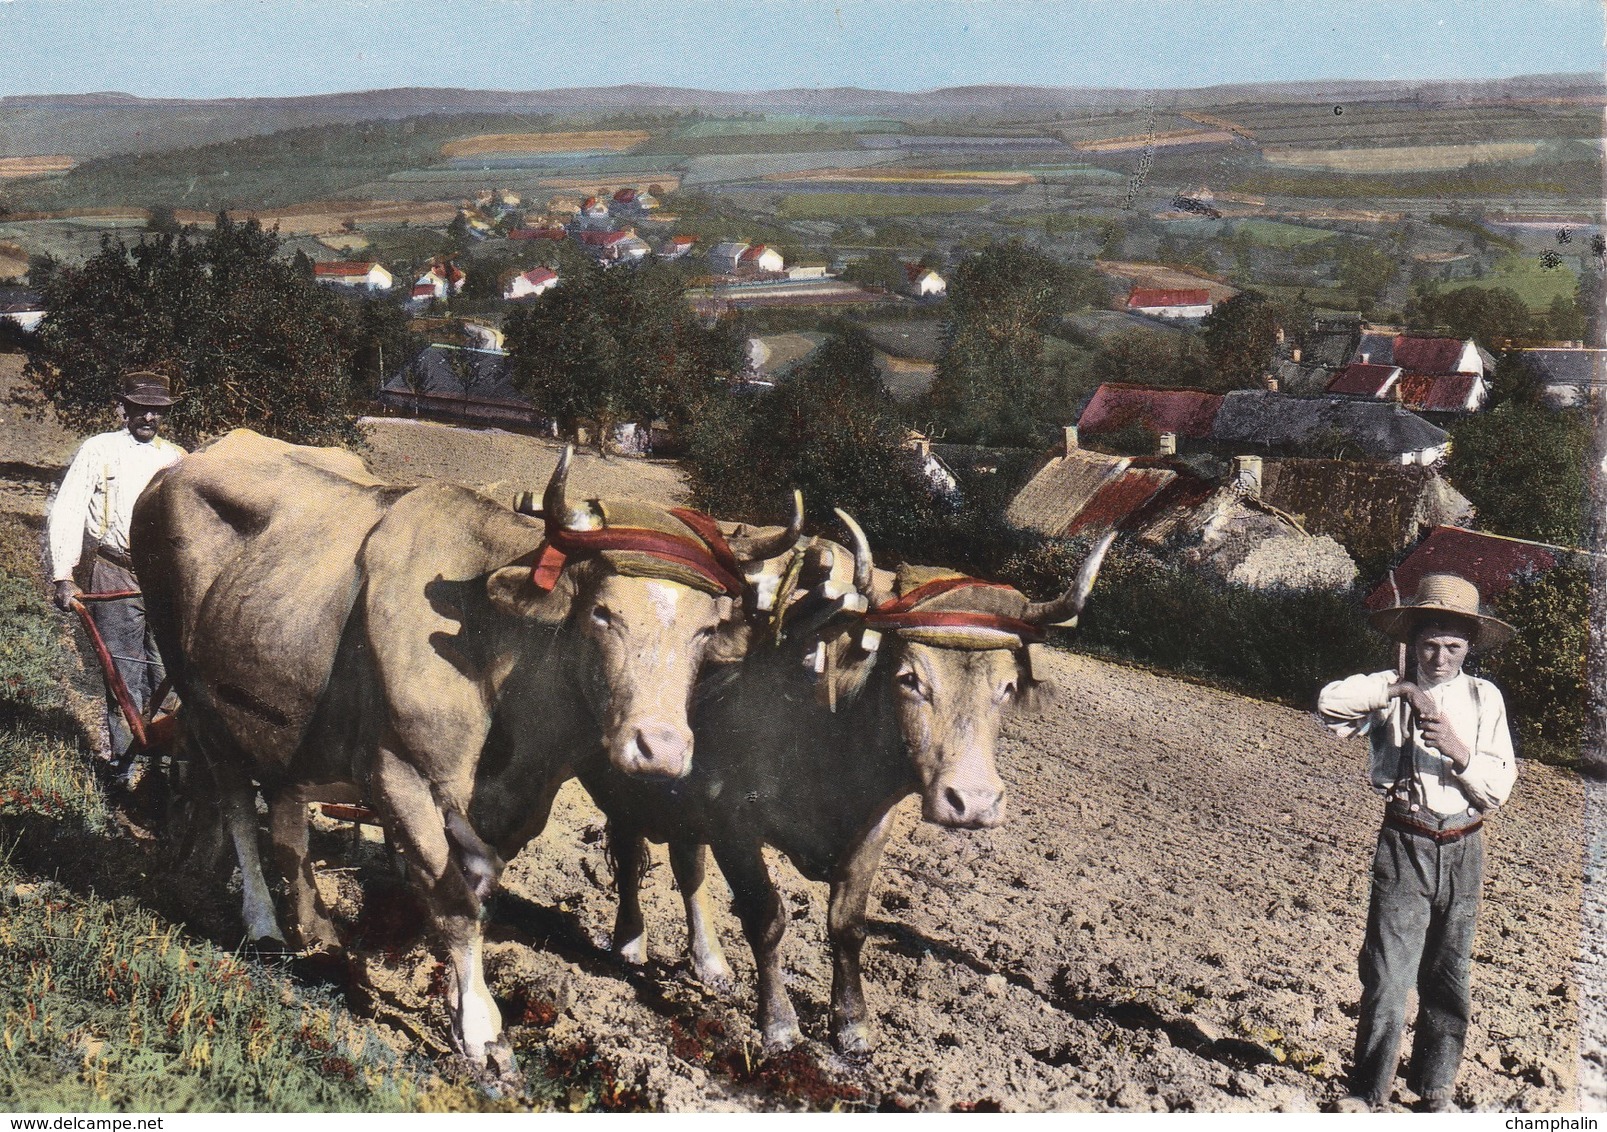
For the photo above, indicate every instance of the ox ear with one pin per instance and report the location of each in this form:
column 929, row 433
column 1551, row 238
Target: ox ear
column 730, row 642
column 1036, row 690
column 512, row 592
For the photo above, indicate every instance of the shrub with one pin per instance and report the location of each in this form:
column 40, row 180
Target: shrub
column 1542, row 671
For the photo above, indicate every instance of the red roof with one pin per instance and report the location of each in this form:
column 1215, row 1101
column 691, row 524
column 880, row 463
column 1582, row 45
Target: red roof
column 1362, row 380
column 1116, row 499
column 1427, row 355
column 446, row 271
column 1437, row 393
column 589, row 202
column 679, row 240
column 421, row 290
column 343, row 268
column 914, row 271
column 553, row 233
column 1492, row 563
column 752, row 254
column 625, row 196
column 600, row 239
column 1186, row 412
column 536, row 276
column 1147, row 297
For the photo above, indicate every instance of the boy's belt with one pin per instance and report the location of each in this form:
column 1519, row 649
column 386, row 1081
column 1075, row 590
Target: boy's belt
column 116, row 557
column 1432, row 833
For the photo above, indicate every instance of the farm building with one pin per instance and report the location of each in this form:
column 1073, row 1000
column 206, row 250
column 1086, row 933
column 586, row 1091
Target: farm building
column 1308, row 366
column 1169, row 302
column 1372, row 509
column 22, row 306
column 594, row 216
column 364, row 275
column 1565, row 376
column 633, row 203
column 676, row 246
column 1252, row 420
column 528, row 284
column 1492, row 562
column 1187, row 414
column 453, row 381
column 1220, row 529
column 623, row 246
column 940, row 478
column 760, row 257
column 442, row 281
column 724, row 257
column 922, row 282
column 1448, row 394
column 1422, row 353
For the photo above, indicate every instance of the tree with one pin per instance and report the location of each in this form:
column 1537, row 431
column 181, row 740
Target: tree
column 992, row 385
column 384, row 344
column 1523, row 468
column 1364, row 270
column 461, row 360
column 618, row 345
column 1542, row 672
column 246, row 339
column 1488, row 315
column 162, row 220
column 41, row 269
column 1241, row 334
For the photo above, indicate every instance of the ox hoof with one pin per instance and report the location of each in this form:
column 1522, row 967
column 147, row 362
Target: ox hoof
column 500, row 1062
column 852, row 1040
column 722, row 984
column 633, row 951
column 781, row 1037
column 319, row 936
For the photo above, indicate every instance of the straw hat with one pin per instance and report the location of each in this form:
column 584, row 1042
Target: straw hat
column 1451, row 596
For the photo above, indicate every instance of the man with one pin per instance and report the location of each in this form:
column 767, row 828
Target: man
column 97, row 499
column 1442, row 757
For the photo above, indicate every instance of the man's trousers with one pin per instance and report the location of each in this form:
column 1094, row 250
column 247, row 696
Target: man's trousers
column 1420, row 921
column 133, row 648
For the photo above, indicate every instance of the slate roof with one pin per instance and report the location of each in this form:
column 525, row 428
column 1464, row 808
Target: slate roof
column 1299, row 377
column 18, row 300
column 1566, row 367
column 433, row 365
column 1492, row 563
column 1371, row 508
column 1255, row 419
column 1186, row 412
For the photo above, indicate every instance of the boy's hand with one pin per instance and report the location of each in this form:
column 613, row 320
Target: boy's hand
column 1438, row 734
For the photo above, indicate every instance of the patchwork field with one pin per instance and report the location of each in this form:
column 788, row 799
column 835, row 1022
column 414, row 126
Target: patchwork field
column 836, row 206
column 1157, row 140
column 1002, row 178
column 1160, row 275
column 604, row 140
column 1535, row 283
column 329, row 217
column 1401, row 159
column 11, row 167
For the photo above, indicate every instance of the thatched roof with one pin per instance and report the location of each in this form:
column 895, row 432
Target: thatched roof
column 1372, row 509
column 1260, row 421
column 1053, row 498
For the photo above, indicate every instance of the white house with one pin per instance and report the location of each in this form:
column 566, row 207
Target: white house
column 676, row 246
column 536, row 281
column 23, row 307
column 923, row 283
column 443, row 281
column 760, row 257
column 724, row 258
column 1170, row 302
column 365, row 275
column 594, row 216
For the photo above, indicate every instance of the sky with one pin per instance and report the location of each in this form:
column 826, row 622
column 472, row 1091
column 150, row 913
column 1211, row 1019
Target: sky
column 249, row 48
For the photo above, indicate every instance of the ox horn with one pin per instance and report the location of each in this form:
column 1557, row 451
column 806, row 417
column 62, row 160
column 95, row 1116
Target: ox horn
column 1064, row 609
column 863, row 563
column 554, row 503
column 756, row 548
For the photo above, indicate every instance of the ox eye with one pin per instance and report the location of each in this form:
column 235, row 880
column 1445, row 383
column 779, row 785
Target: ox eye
column 602, row 615
column 911, row 683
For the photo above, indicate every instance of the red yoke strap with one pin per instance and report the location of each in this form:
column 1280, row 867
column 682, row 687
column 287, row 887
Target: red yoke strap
column 903, row 614
column 563, row 543
column 929, row 590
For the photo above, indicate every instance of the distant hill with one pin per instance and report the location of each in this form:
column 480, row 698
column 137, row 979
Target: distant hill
column 98, row 125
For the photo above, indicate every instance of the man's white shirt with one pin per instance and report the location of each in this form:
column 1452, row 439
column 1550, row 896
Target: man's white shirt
column 1361, row 705
column 103, row 481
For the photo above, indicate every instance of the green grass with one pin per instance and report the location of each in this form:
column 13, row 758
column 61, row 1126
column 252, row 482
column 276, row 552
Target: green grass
column 1536, row 284
column 1277, row 234
column 842, row 206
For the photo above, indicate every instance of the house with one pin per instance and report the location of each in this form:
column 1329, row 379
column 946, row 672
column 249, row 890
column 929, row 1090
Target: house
column 940, row 478
column 760, row 257
column 1171, row 302
column 22, row 307
column 1166, row 505
column 1446, row 394
column 1565, row 375
column 623, row 246
column 444, row 279
column 921, row 282
column 676, row 246
column 1494, row 563
column 468, row 383
column 1422, row 353
column 549, row 232
column 363, row 275
column 633, row 203
column 1307, row 367
column 724, row 257
column 1254, row 420
column 594, row 216
column 1185, row 413
column 528, row 284
column 1374, row 510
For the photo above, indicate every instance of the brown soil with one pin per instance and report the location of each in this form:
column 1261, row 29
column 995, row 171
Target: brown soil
column 606, row 140
column 34, row 166
column 1162, row 275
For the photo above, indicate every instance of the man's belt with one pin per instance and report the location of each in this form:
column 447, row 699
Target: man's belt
column 1438, row 836
column 116, row 557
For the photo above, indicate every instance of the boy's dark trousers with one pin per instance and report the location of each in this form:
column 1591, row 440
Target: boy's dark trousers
column 1420, row 921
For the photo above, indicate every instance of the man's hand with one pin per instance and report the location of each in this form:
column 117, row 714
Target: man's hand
column 66, row 590
column 1438, row 734
column 1412, row 694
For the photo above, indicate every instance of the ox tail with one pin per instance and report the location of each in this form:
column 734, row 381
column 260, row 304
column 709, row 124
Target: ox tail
column 482, row 865
column 613, row 835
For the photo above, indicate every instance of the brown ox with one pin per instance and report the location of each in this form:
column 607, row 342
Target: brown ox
column 445, row 657
column 919, row 687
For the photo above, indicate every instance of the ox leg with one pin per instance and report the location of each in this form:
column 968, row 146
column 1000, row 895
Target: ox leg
column 764, row 922
column 628, row 850
column 451, row 876
column 688, row 860
column 845, row 924
column 239, row 802
column 309, row 919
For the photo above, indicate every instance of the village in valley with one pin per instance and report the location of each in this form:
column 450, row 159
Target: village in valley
column 1291, row 346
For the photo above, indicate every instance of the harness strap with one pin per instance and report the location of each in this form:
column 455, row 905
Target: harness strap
column 928, row 590
column 903, row 613
column 563, row 544
column 709, row 531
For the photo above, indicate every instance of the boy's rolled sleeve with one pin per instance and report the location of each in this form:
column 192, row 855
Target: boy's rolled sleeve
column 1351, row 706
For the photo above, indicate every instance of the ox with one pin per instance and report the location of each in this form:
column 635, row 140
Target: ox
column 811, row 745
column 446, row 658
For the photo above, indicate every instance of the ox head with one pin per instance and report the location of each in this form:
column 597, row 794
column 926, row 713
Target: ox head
column 648, row 596
column 956, row 654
